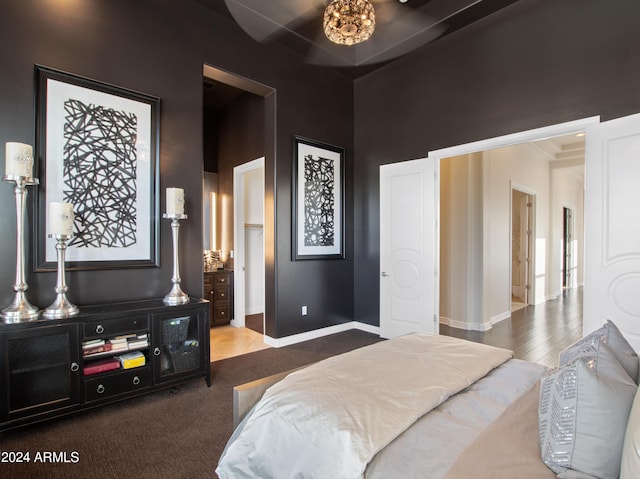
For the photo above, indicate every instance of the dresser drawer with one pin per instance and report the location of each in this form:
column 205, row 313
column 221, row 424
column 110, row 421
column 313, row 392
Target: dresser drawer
column 117, row 383
column 221, row 280
column 208, row 281
column 221, row 294
column 115, row 327
column 221, row 313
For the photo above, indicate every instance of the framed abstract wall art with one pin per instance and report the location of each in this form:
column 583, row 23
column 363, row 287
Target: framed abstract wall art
column 318, row 200
column 97, row 148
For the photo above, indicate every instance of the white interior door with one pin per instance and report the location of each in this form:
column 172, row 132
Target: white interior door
column 612, row 227
column 408, row 286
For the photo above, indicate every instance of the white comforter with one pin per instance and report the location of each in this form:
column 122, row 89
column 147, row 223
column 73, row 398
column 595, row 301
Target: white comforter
column 328, row 420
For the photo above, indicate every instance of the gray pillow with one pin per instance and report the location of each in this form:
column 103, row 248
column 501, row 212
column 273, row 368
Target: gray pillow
column 608, row 334
column 583, row 415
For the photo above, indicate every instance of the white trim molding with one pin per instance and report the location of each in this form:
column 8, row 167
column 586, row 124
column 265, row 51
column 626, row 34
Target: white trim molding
column 318, row 333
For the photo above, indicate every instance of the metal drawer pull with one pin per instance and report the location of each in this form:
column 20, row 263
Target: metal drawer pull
column 75, row 367
column 156, row 352
column 99, row 329
column 100, row 389
column 136, row 380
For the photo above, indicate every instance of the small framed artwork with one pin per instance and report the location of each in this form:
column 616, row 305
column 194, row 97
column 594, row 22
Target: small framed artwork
column 318, row 200
column 97, row 148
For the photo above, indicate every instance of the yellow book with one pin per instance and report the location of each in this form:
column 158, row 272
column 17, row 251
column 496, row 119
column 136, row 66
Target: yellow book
column 132, row 360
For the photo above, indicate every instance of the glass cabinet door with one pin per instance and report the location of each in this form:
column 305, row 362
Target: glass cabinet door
column 41, row 369
column 178, row 344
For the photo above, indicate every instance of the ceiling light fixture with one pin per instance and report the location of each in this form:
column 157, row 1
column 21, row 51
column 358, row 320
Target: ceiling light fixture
column 347, row 22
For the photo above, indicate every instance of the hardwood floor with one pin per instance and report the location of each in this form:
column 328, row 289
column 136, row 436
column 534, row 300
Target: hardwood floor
column 227, row 342
column 535, row 333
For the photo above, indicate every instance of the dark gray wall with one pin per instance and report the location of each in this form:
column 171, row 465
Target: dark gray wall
column 158, row 47
column 534, row 64
column 241, row 139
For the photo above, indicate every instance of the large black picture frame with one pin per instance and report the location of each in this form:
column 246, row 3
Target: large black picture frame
column 318, row 200
column 97, row 146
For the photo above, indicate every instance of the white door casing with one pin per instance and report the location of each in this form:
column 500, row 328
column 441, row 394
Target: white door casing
column 408, row 248
column 239, row 283
column 612, row 227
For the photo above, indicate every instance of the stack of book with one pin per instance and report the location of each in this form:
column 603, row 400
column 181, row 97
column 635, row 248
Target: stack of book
column 137, row 341
column 119, row 343
column 116, row 344
column 95, row 346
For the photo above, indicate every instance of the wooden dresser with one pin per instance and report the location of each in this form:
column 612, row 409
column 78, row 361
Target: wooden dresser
column 218, row 289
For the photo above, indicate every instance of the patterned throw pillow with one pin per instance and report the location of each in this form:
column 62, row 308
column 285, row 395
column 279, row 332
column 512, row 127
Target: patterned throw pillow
column 610, row 335
column 583, row 412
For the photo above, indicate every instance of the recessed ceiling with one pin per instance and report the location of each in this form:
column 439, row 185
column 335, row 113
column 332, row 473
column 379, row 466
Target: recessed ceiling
column 400, row 27
column 565, row 152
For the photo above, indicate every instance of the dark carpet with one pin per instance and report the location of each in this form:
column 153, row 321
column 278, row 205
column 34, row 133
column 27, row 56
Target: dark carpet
column 172, row 433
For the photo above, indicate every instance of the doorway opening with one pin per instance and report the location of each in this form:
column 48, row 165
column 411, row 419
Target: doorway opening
column 482, row 294
column 480, row 244
column 238, row 125
column 522, row 247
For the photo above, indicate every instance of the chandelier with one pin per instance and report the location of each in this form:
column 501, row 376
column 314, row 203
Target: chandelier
column 348, row 22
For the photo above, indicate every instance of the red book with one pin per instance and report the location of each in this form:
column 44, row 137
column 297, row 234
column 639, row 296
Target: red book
column 95, row 367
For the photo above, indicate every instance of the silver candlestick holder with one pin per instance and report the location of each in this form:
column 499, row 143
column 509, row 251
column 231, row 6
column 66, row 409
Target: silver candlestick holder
column 61, row 307
column 20, row 309
column 176, row 295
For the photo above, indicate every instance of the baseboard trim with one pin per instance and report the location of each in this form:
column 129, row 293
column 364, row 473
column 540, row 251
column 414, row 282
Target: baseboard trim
column 319, row 333
column 482, row 327
column 452, row 323
column 500, row 317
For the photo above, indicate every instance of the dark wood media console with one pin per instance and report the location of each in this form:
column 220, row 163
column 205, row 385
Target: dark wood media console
column 106, row 353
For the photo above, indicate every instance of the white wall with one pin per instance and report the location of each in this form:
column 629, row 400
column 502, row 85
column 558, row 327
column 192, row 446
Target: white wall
column 254, row 240
column 461, row 253
column 466, row 300
column 527, row 167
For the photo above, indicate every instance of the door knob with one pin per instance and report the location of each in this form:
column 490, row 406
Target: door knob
column 384, row 275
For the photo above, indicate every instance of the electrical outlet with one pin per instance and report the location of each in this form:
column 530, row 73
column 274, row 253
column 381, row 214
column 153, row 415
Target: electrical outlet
column 304, row 311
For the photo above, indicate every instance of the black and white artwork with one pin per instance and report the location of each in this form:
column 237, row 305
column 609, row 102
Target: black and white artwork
column 97, row 147
column 318, row 200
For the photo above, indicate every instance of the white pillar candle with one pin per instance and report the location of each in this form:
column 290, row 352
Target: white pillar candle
column 175, row 201
column 60, row 219
column 18, row 159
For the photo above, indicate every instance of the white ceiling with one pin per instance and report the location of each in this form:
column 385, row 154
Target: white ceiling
column 565, row 152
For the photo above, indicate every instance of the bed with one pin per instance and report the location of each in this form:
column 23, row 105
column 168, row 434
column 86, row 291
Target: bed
column 433, row 406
